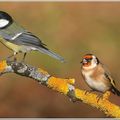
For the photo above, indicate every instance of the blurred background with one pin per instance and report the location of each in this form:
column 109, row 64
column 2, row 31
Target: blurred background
column 71, row 30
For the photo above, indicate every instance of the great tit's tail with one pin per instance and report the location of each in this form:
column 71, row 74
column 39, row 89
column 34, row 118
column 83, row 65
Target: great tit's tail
column 115, row 91
column 50, row 53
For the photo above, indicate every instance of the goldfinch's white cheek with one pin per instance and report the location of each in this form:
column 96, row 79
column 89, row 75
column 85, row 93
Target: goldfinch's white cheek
column 3, row 23
column 93, row 64
column 90, row 67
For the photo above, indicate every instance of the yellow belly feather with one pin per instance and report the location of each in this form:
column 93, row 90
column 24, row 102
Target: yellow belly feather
column 14, row 47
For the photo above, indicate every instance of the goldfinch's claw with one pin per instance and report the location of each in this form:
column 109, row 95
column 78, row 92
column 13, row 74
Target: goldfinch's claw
column 99, row 97
column 88, row 91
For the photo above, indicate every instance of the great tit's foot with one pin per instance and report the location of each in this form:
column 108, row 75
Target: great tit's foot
column 8, row 58
column 22, row 61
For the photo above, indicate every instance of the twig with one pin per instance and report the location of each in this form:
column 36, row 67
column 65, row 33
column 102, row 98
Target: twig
column 64, row 86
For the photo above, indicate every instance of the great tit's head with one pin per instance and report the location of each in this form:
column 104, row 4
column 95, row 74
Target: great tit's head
column 89, row 61
column 5, row 20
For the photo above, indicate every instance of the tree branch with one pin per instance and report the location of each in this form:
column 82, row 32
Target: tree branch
column 64, row 86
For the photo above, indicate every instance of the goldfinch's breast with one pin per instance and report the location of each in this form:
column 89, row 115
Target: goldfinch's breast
column 98, row 85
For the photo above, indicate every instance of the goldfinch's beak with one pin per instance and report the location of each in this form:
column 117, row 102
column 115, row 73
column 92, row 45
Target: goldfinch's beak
column 81, row 62
column 84, row 61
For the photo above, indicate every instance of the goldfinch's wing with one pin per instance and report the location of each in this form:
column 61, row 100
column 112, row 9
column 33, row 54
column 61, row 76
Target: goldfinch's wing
column 113, row 87
column 110, row 79
column 108, row 75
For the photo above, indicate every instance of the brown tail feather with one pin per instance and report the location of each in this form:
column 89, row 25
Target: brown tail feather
column 115, row 91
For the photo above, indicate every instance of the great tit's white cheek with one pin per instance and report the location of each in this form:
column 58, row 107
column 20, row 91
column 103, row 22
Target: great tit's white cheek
column 3, row 23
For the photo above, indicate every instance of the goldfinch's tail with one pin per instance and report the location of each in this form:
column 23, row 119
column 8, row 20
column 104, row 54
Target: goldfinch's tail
column 115, row 91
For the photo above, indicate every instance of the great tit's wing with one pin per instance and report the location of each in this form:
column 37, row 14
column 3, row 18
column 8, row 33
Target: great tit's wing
column 20, row 36
column 27, row 39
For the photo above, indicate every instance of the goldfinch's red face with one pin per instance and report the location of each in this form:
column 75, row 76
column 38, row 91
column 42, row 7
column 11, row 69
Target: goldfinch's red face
column 89, row 61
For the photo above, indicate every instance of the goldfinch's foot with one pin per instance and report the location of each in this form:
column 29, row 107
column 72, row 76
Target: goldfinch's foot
column 99, row 97
column 89, row 91
column 106, row 95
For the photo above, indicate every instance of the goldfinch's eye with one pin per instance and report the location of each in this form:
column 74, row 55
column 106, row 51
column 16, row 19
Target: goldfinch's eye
column 88, row 59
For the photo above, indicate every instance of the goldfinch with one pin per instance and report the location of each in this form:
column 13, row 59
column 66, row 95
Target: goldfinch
column 96, row 76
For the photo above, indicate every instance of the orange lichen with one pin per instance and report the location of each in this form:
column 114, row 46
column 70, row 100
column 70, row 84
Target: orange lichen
column 106, row 95
column 70, row 81
column 64, row 85
column 42, row 71
column 103, row 104
column 58, row 84
column 109, row 108
column 92, row 99
column 3, row 65
column 80, row 94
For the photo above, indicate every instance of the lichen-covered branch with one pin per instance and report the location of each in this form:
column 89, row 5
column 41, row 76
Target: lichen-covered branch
column 64, row 86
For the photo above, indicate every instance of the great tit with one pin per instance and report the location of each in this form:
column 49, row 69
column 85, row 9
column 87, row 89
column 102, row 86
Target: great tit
column 19, row 39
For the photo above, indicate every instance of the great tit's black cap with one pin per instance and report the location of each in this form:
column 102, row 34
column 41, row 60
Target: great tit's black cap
column 6, row 16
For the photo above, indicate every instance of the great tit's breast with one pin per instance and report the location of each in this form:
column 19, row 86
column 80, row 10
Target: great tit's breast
column 10, row 45
column 17, row 48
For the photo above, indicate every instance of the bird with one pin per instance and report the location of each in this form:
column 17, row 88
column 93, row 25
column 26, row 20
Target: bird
column 20, row 40
column 97, row 76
